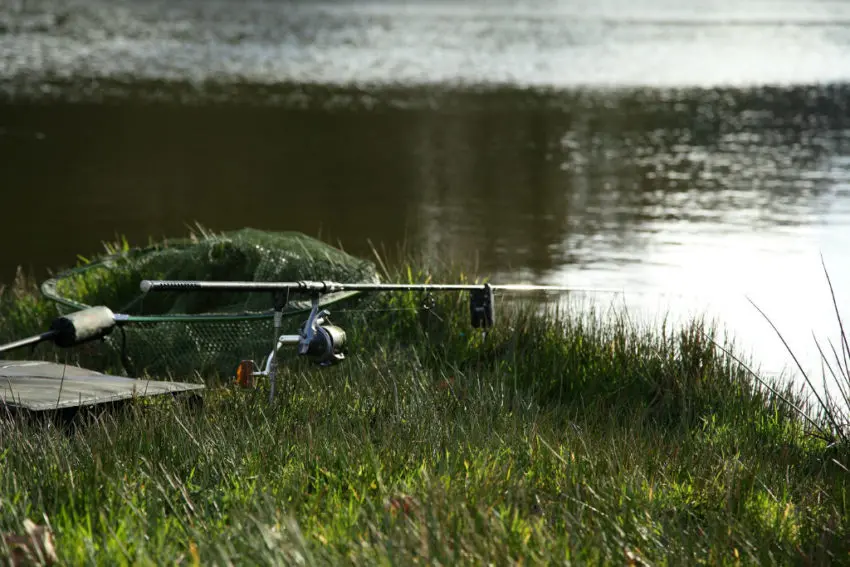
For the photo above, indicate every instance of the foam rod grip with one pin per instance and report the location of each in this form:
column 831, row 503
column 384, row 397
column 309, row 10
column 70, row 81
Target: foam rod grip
column 82, row 326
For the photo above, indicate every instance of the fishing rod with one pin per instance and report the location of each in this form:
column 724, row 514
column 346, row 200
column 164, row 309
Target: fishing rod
column 308, row 286
column 481, row 295
column 319, row 340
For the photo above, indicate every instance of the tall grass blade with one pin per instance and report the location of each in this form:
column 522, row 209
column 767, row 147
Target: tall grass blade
column 841, row 386
column 829, row 414
column 845, row 346
column 825, row 363
column 824, row 434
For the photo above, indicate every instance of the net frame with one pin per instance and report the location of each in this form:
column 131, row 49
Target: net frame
column 182, row 344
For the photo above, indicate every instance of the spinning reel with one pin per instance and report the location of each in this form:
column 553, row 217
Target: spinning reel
column 323, row 343
column 319, row 341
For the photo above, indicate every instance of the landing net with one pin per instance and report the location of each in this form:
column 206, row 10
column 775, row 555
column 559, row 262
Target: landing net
column 181, row 334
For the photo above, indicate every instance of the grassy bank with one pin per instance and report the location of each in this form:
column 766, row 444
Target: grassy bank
column 566, row 437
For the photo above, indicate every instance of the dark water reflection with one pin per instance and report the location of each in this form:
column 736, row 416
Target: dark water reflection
column 691, row 190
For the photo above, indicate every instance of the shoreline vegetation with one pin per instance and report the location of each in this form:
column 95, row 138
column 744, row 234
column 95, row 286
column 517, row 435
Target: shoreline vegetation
column 564, row 437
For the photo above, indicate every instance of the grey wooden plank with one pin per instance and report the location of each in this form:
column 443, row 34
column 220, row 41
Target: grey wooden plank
column 38, row 386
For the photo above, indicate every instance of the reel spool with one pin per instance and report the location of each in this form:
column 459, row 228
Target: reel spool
column 325, row 348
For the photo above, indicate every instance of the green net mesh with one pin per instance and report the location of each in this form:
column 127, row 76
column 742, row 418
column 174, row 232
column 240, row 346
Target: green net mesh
column 179, row 334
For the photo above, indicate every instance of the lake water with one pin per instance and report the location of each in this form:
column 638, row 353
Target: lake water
column 689, row 155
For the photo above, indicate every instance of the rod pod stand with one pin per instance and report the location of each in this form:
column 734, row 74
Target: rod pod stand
column 281, row 298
